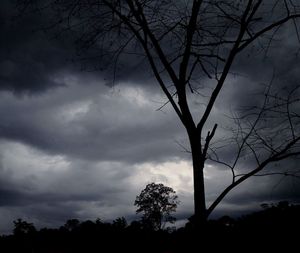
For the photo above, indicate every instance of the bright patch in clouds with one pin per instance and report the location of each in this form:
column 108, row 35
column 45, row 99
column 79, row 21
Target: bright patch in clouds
column 22, row 160
column 176, row 174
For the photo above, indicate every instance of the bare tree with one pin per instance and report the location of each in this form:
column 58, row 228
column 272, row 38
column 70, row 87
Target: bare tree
column 187, row 43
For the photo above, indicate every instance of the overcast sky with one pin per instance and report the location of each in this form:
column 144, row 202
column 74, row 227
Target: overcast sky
column 73, row 146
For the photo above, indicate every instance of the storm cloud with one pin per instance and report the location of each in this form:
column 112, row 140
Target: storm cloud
column 74, row 144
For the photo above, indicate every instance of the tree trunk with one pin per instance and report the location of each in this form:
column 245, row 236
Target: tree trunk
column 200, row 215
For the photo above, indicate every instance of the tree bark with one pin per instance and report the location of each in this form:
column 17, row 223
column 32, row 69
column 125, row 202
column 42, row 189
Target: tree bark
column 200, row 212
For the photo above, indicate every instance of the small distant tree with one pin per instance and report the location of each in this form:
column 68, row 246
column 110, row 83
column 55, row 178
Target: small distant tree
column 72, row 224
column 120, row 223
column 23, row 227
column 156, row 202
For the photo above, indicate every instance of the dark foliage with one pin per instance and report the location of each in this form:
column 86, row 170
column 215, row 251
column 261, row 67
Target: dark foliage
column 273, row 228
column 156, row 202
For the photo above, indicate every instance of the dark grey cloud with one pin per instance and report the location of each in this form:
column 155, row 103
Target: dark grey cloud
column 33, row 48
column 92, row 122
column 29, row 59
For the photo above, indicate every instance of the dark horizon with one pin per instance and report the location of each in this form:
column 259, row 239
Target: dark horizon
column 269, row 229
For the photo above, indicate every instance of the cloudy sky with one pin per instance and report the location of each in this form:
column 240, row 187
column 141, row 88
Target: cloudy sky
column 74, row 146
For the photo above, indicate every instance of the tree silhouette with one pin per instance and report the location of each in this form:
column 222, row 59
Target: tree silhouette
column 120, row 223
column 156, row 202
column 72, row 224
column 191, row 47
column 269, row 229
column 23, row 228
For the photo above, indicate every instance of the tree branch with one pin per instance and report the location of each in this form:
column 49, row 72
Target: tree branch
column 226, row 69
column 283, row 154
column 191, row 28
column 266, row 29
column 149, row 56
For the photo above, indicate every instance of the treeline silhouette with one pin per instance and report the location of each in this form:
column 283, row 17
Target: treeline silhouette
column 275, row 227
